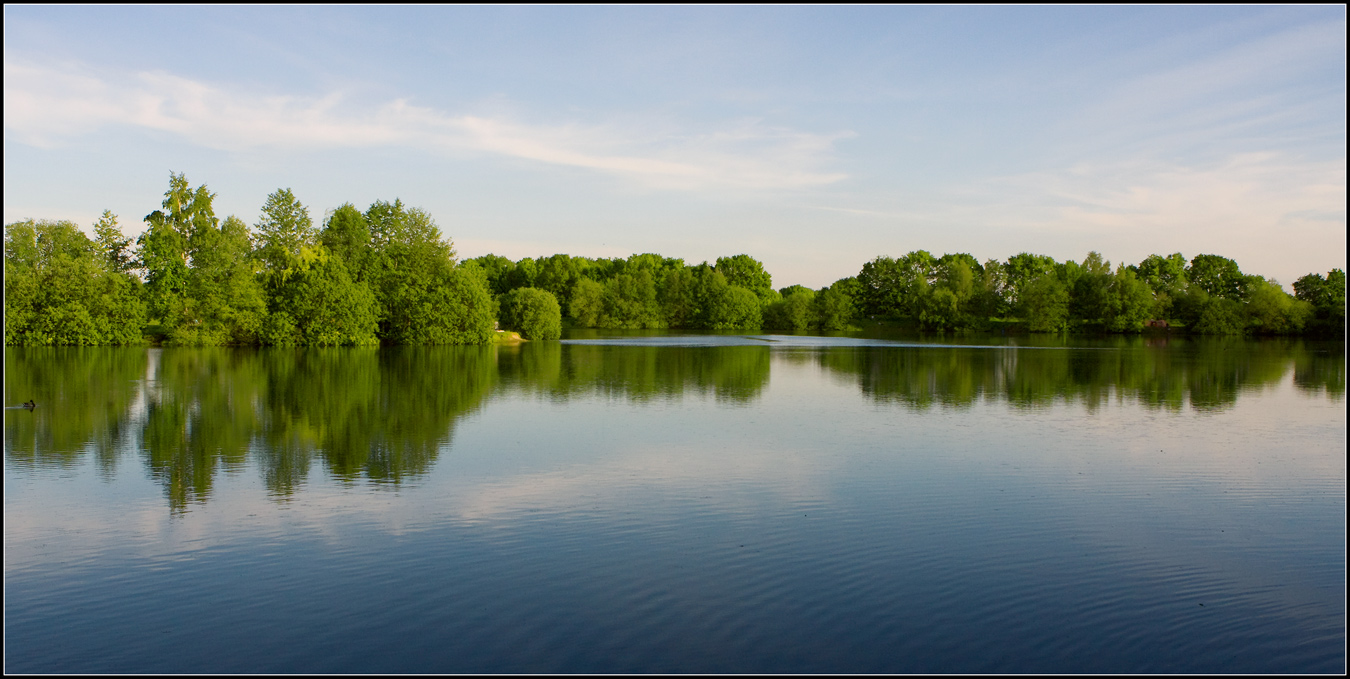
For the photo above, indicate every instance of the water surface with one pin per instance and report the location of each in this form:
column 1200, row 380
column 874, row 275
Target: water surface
column 646, row 503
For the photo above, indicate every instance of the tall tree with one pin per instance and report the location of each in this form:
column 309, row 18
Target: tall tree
column 1218, row 276
column 114, row 247
column 347, row 235
column 747, row 272
column 283, row 229
column 163, row 251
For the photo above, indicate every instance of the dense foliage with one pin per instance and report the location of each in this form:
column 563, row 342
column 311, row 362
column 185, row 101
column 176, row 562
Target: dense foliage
column 387, row 275
column 534, row 312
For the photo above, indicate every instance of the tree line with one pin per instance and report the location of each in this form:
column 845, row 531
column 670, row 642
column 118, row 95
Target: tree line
column 386, row 275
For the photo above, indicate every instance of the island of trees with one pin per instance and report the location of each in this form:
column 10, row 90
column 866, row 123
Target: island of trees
column 386, row 275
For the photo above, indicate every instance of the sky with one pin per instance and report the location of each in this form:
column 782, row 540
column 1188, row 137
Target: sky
column 814, row 139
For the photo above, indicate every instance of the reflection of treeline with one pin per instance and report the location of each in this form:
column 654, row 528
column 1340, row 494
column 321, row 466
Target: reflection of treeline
column 732, row 374
column 84, row 398
column 383, row 414
column 363, row 413
column 1206, row 373
column 388, row 276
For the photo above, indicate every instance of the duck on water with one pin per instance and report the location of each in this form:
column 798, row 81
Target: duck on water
column 27, row 405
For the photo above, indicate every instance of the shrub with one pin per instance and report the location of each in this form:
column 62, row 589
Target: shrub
column 532, row 312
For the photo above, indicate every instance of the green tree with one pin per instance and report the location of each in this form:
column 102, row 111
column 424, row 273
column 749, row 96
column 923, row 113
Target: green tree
column 225, row 302
column 61, row 290
column 725, row 306
column 1044, row 304
column 1327, row 298
column 558, row 274
column 796, row 312
column 283, row 229
column 114, row 247
column 1219, row 316
column 897, row 287
column 163, row 248
column 347, row 235
column 497, row 269
column 834, row 308
column 1272, row 311
column 747, row 272
column 588, row 303
column 1218, row 276
column 318, row 304
column 1129, row 302
column 677, row 297
column 1020, row 271
column 1090, row 289
column 987, row 298
column 533, row 312
column 630, row 302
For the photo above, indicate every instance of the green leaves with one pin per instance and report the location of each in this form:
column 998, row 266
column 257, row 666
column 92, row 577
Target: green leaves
column 532, row 312
column 60, row 289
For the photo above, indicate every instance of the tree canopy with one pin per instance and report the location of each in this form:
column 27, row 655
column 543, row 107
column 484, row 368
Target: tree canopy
column 388, row 275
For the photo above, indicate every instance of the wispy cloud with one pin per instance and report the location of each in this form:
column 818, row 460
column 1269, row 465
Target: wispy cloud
column 50, row 107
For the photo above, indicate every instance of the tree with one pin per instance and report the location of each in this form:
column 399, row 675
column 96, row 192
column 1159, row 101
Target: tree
column 834, row 308
column 1020, row 270
column 953, row 289
column 226, row 302
column 747, row 272
column 1089, row 290
column 497, row 270
column 1220, row 316
column 1327, row 298
column 725, row 306
column 630, row 302
column 163, row 248
column 114, row 248
column 60, row 290
column 588, row 303
column 423, row 297
column 677, row 297
column 794, row 313
column 1129, row 302
column 1218, row 276
column 533, row 312
column 1272, row 311
column 283, row 229
column 557, row 275
column 1163, row 274
column 1045, row 304
column 897, row 287
column 318, row 304
column 347, row 235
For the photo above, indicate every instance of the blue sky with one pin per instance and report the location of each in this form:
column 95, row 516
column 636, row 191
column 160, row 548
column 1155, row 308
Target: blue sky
column 813, row 138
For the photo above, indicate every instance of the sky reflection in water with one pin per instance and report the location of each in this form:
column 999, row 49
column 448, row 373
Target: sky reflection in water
column 659, row 504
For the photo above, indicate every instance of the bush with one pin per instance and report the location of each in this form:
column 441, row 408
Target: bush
column 532, row 312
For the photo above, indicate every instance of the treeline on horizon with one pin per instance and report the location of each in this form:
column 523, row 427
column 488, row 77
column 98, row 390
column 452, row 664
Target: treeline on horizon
column 388, row 276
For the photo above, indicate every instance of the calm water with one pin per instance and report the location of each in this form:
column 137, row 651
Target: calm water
column 679, row 504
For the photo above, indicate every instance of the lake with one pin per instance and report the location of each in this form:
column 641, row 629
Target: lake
column 680, row 503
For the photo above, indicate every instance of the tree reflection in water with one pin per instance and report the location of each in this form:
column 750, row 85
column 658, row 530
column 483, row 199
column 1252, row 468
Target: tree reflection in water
column 382, row 415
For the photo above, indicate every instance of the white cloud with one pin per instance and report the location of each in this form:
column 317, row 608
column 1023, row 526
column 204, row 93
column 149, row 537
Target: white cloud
column 49, row 107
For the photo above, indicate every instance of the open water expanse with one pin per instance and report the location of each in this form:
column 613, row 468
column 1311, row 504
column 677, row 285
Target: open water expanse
column 674, row 503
